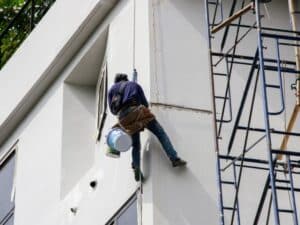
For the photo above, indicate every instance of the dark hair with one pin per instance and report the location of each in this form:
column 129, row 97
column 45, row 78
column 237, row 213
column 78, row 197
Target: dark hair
column 121, row 77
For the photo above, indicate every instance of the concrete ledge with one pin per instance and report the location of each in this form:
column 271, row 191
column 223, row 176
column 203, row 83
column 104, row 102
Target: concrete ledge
column 44, row 54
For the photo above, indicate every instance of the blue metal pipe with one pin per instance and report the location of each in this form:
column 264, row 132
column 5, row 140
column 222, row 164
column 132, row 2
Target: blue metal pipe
column 266, row 113
column 282, row 108
column 294, row 206
column 237, row 198
column 218, row 165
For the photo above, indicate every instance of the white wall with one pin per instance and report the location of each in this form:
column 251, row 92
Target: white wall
column 117, row 182
column 171, row 59
column 179, row 76
column 115, row 178
column 180, row 53
column 43, row 55
column 41, row 148
column 38, row 165
column 78, row 139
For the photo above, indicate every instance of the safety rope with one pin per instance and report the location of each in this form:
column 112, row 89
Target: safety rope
column 134, row 79
column 155, row 43
column 133, row 34
column 134, row 75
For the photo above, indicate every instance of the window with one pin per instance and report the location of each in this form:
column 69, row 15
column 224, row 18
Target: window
column 127, row 214
column 78, row 145
column 7, row 205
column 101, row 99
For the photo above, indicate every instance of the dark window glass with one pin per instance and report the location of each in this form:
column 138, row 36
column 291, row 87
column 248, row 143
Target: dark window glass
column 102, row 99
column 6, row 186
column 101, row 92
column 10, row 220
column 129, row 215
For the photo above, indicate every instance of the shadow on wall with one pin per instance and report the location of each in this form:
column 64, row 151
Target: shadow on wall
column 178, row 196
column 193, row 11
column 180, row 33
column 84, row 99
column 78, row 143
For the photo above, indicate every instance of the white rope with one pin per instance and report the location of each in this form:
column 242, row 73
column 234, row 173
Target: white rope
column 133, row 34
column 140, row 184
column 155, row 42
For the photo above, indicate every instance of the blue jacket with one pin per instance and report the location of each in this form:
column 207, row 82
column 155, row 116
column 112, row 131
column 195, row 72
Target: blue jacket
column 132, row 91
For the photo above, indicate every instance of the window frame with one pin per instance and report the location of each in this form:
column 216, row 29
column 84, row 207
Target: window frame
column 4, row 159
column 132, row 199
column 101, row 99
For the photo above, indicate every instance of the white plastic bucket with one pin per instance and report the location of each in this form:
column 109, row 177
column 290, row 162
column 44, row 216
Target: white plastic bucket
column 119, row 140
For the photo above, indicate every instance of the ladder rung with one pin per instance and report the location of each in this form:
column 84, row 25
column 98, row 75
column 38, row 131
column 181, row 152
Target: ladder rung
column 283, row 181
column 228, row 182
column 281, row 152
column 220, row 74
column 274, row 113
column 283, row 69
column 272, row 131
column 229, row 208
column 286, row 188
column 223, row 121
column 221, row 97
column 286, row 210
column 294, row 165
column 273, row 86
column 212, row 3
column 279, row 36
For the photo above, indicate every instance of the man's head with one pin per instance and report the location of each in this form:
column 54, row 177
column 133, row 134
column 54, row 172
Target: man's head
column 121, row 77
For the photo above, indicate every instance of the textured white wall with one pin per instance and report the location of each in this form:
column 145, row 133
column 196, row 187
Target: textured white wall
column 175, row 71
column 180, row 53
column 56, row 22
column 179, row 76
column 38, row 165
column 43, row 55
column 117, row 183
column 41, row 147
column 78, row 140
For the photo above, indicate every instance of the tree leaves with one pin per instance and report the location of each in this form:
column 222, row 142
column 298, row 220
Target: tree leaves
column 13, row 33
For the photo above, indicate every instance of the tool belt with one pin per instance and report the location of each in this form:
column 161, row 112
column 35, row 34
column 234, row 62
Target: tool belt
column 127, row 107
column 136, row 119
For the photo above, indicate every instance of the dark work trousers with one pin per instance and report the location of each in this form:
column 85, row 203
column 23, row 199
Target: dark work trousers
column 159, row 132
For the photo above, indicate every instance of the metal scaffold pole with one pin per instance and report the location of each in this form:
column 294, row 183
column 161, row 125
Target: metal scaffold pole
column 218, row 166
column 266, row 112
column 263, row 63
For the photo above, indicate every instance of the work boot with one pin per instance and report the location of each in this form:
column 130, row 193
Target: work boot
column 178, row 162
column 138, row 174
column 112, row 153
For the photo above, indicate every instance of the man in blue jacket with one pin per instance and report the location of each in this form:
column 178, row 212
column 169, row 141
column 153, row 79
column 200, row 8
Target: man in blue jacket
column 134, row 116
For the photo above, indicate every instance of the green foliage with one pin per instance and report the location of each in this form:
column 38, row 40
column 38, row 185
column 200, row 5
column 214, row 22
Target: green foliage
column 10, row 10
column 10, row 3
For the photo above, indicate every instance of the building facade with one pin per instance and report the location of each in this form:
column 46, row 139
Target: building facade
column 53, row 118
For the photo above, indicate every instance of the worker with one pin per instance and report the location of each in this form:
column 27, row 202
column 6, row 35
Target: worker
column 134, row 115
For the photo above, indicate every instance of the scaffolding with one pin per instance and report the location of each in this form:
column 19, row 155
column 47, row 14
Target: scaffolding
column 255, row 70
